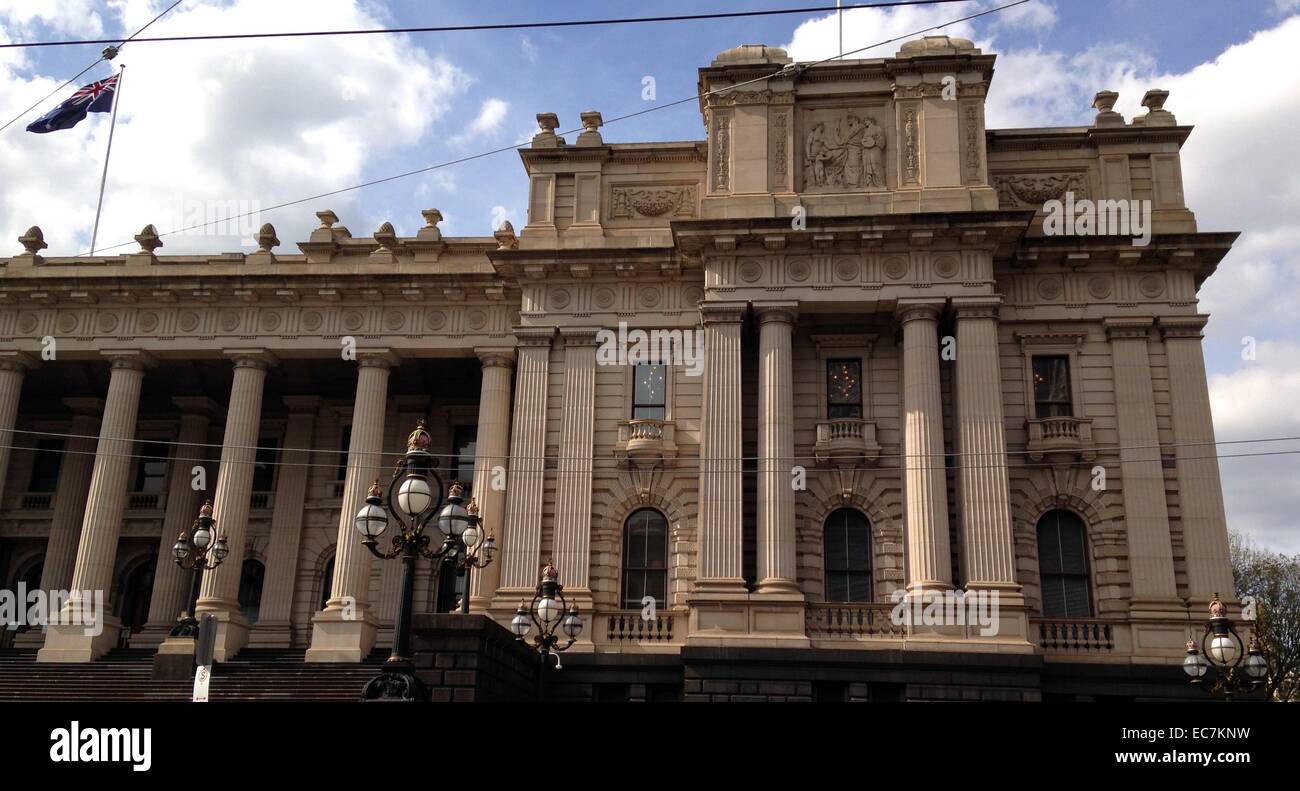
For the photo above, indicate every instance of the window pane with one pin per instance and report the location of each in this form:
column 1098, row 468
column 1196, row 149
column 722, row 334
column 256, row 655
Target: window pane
column 264, row 465
column 1063, row 565
column 837, row 586
column 844, row 388
column 151, row 474
column 645, row 558
column 1078, row 600
column 1053, row 596
column 45, row 467
column 650, row 383
column 847, row 556
column 1052, row 396
column 465, row 440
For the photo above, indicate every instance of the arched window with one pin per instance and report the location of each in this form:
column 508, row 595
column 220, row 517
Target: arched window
column 1063, row 565
column 847, row 540
column 251, row 576
column 645, row 558
column 326, row 583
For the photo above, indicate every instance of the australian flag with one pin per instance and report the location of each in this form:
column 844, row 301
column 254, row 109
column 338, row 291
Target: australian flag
column 96, row 97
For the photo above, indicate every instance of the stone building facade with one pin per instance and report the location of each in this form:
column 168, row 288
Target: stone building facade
column 909, row 381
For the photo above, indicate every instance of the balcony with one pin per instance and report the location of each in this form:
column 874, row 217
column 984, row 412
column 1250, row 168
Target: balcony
column 846, row 441
column 143, row 501
column 261, row 501
column 33, row 501
column 645, row 442
column 624, row 628
column 1074, row 635
column 1060, row 438
column 864, row 622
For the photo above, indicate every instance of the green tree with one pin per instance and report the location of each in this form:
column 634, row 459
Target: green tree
column 1272, row 581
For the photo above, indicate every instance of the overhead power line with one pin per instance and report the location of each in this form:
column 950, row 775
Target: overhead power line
column 489, row 26
column 692, row 98
column 117, row 44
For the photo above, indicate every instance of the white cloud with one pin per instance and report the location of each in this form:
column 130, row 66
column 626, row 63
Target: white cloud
column 1039, row 15
column 490, row 116
column 25, row 19
column 202, row 127
column 817, row 39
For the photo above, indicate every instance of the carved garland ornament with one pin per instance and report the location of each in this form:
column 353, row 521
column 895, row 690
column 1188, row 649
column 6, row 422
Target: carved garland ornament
column 634, row 202
column 1035, row 190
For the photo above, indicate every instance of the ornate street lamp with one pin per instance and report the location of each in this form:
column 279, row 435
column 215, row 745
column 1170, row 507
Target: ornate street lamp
column 196, row 552
column 454, row 531
column 1236, row 669
column 551, row 614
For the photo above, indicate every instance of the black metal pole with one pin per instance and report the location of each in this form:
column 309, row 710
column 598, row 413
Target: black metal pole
column 196, row 582
column 464, row 600
column 402, row 625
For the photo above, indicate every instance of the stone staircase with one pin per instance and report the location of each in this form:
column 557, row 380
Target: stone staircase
column 125, row 674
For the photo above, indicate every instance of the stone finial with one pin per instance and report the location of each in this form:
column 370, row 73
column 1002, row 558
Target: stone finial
column 327, row 218
column 591, row 123
column 148, row 239
column 1154, row 99
column 266, row 238
column 547, row 123
column 505, row 236
column 385, row 235
column 329, row 230
column 430, row 232
column 1157, row 115
column 33, row 242
column 1104, row 103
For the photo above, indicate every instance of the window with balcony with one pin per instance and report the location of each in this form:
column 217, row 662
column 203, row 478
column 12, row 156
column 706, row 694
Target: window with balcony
column 843, row 389
column 650, row 392
column 645, row 559
column 45, row 466
column 1052, row 393
column 151, row 472
column 1063, row 565
column 846, row 538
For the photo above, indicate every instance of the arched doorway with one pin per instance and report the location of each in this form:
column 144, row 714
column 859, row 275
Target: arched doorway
column 251, row 577
column 134, row 592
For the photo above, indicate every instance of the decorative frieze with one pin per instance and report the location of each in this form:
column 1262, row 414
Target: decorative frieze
column 637, row 202
column 1035, row 189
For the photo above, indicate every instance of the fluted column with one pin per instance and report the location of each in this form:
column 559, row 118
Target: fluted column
column 13, row 368
column 345, row 630
column 219, row 594
column 777, row 570
column 929, row 563
column 720, row 531
column 521, row 544
column 988, row 545
column 1200, row 492
column 171, row 583
column 1146, row 517
column 273, row 623
column 572, row 554
column 491, row 449
column 70, row 493
column 86, row 609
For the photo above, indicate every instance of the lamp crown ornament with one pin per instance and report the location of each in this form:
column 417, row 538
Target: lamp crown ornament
column 375, row 490
column 472, row 507
column 457, row 490
column 1217, row 609
column 206, row 510
column 419, row 439
column 549, row 572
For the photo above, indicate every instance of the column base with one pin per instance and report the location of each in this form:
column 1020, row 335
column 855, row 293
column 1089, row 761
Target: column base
column 271, row 634
column 232, row 632
column 335, row 638
column 152, row 635
column 78, row 642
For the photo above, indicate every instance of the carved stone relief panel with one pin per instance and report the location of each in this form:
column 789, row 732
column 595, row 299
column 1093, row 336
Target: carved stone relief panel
column 843, row 149
column 1034, row 189
column 649, row 202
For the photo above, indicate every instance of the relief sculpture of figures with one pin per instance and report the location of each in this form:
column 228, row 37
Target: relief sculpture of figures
column 854, row 158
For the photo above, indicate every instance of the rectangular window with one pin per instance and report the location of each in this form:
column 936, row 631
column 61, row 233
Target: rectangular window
column 464, row 440
column 151, row 473
column 345, row 439
column 264, row 465
column 650, row 392
column 843, row 389
column 1052, row 394
column 45, row 466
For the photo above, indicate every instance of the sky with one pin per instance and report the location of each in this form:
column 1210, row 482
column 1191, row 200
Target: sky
column 207, row 127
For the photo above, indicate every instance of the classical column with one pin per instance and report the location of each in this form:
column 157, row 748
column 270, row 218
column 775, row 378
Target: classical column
column 572, row 555
column 345, row 630
column 721, row 500
column 1200, row 492
column 13, row 367
column 929, row 564
column 988, row 544
column 520, row 555
column 171, row 583
column 1146, row 517
column 86, row 629
column 273, row 623
column 219, row 593
column 776, row 538
column 70, row 493
column 491, row 449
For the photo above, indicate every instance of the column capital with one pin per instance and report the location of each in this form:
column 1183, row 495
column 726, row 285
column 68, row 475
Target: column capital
column 1132, row 327
column 722, row 312
column 1187, row 327
column 12, row 360
column 534, row 336
column 87, row 406
column 260, row 359
column 198, row 405
column 130, row 359
column 580, row 336
column 302, row 404
column 918, row 309
column 982, row 307
column 496, row 356
column 377, row 358
column 777, row 312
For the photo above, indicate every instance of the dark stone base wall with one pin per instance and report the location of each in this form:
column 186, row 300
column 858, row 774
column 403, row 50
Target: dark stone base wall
column 471, row 658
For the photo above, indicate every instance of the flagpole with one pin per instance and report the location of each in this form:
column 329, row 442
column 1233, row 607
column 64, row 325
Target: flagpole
column 103, row 178
column 839, row 12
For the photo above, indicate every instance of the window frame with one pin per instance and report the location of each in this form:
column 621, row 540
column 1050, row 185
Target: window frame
column 1052, row 344
column 633, row 405
column 1069, row 378
column 626, row 571
column 826, row 386
column 868, row 573
column 1086, row 573
column 843, row 347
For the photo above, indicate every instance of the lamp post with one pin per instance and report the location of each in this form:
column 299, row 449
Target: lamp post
column 1236, row 669
column 196, row 552
column 413, row 498
column 551, row 614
